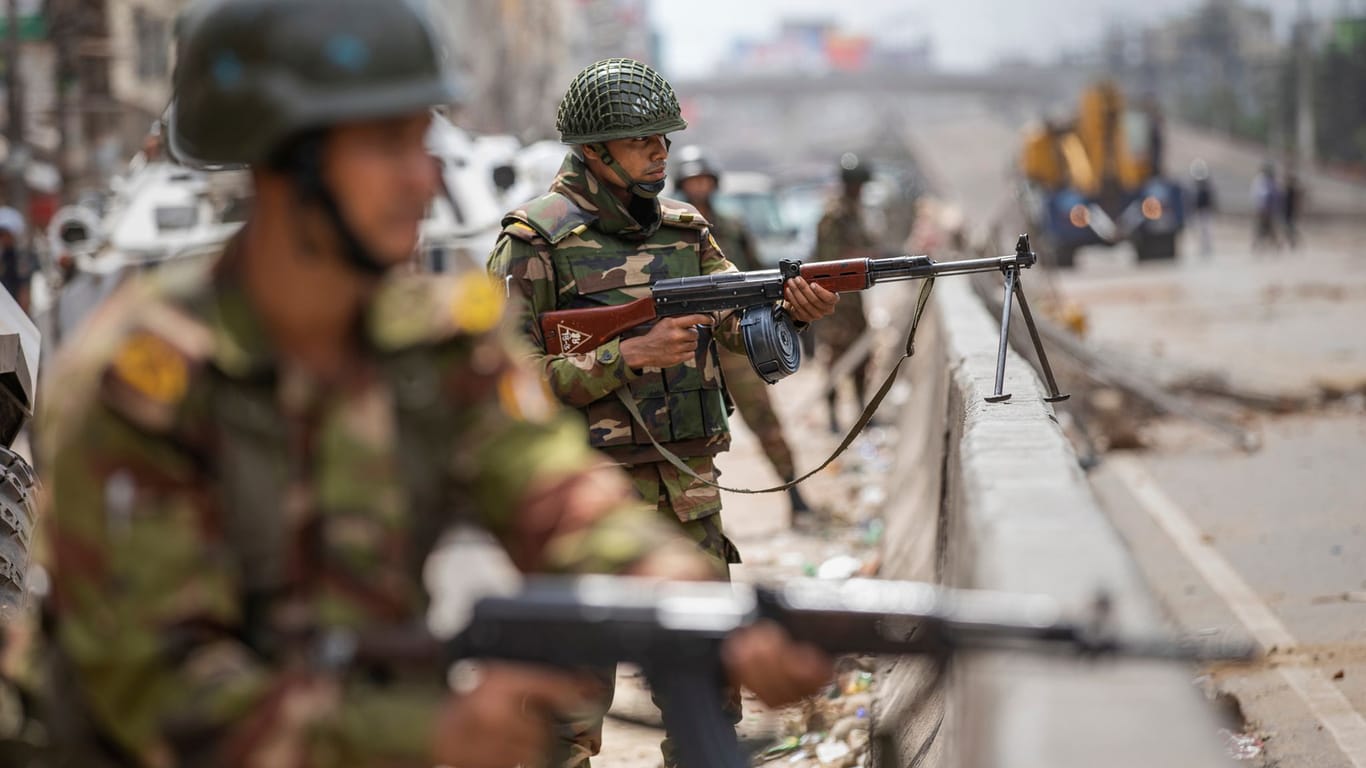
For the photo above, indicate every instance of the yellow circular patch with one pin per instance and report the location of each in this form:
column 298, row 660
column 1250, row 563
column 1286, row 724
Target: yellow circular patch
column 152, row 368
column 477, row 304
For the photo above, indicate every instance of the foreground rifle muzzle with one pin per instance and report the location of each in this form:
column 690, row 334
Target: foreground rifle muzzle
column 673, row 632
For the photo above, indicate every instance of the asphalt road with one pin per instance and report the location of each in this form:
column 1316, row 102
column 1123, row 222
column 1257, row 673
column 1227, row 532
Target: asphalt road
column 1271, row 543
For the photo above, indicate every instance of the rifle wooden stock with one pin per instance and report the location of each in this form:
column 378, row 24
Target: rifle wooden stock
column 567, row 331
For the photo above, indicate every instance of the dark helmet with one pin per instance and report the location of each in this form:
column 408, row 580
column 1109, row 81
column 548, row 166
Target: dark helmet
column 693, row 162
column 253, row 74
column 617, row 99
column 853, row 170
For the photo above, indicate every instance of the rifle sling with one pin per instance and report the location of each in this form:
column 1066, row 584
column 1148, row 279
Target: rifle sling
column 868, row 411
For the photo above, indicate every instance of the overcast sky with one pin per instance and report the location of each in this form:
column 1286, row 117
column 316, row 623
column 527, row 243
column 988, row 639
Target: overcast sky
column 967, row 34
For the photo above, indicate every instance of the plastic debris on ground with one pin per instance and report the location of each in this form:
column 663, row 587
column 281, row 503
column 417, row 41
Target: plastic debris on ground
column 839, row 567
column 831, row 731
column 1241, row 746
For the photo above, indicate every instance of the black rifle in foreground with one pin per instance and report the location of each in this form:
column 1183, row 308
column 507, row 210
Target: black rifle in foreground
column 673, row 631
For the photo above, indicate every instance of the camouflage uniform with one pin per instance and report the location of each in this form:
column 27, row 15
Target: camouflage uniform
column 842, row 235
column 579, row 246
column 747, row 390
column 215, row 512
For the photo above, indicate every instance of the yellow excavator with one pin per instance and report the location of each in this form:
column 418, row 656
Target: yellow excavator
column 1095, row 179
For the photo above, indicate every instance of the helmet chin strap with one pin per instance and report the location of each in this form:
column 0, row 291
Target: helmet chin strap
column 647, row 190
column 303, row 162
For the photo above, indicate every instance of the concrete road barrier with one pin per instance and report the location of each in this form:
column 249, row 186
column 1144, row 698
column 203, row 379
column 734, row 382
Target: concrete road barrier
column 992, row 498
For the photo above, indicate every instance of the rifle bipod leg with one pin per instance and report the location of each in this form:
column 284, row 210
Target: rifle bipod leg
column 1012, row 277
column 1054, row 396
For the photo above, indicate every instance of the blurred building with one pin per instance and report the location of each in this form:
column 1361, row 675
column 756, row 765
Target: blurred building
column 95, row 74
column 1218, row 65
column 602, row 29
column 512, row 56
column 518, row 56
column 819, row 47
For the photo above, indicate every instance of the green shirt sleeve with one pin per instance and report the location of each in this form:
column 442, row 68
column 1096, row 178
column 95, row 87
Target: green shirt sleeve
column 556, row 505
column 575, row 379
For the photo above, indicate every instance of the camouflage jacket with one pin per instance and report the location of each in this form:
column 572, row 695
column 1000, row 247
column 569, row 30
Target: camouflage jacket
column 214, row 512
column 579, row 246
column 736, row 242
column 841, row 234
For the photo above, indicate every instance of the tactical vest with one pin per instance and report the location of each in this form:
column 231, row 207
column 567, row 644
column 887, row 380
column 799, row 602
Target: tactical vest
column 684, row 405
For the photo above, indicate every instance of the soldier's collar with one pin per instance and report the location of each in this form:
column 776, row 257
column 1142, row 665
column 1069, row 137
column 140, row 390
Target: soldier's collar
column 242, row 350
column 594, row 196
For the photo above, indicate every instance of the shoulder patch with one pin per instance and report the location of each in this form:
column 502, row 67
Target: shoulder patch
column 149, row 367
column 553, row 216
column 148, row 353
column 676, row 213
column 411, row 310
column 149, row 378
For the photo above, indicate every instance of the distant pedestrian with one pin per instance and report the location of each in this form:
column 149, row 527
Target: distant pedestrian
column 16, row 262
column 1205, row 205
column 1292, row 202
column 1157, row 139
column 1266, row 204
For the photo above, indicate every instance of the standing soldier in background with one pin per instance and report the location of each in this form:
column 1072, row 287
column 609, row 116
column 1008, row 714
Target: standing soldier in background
column 699, row 180
column 251, row 457
column 602, row 236
column 843, row 235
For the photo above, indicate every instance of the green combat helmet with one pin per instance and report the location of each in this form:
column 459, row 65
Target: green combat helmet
column 619, row 99
column 694, row 162
column 254, row 74
column 258, row 82
column 854, row 170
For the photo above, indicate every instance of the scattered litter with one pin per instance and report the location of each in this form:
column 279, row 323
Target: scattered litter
column 873, row 529
column 800, row 756
column 791, row 560
column 780, row 748
column 839, row 567
column 1339, row 597
column 844, row 728
column 858, row 683
column 1338, row 675
column 872, row 496
column 1241, row 746
column 832, row 752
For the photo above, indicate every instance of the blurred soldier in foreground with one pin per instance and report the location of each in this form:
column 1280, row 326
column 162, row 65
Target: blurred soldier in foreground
column 601, row 236
column 843, row 235
column 251, row 457
column 698, row 180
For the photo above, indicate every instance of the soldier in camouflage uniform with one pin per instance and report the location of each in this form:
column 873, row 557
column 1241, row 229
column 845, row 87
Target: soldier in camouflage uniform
column 698, row 180
column 601, row 236
column 843, row 235
column 250, row 457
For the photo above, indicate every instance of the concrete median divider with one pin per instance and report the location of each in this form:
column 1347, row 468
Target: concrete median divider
column 991, row 497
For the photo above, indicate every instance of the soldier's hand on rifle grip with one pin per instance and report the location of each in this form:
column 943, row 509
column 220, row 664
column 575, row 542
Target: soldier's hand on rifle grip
column 672, row 341
column 765, row 659
column 505, row 717
column 807, row 302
